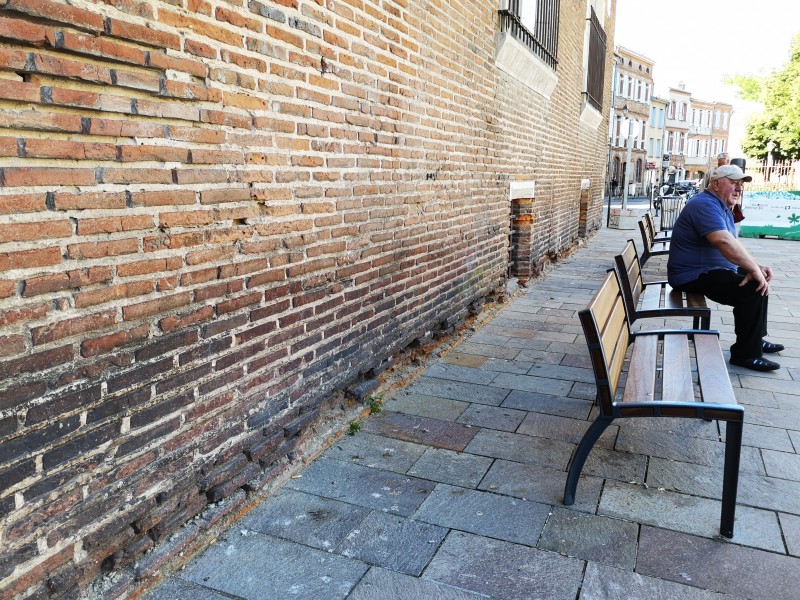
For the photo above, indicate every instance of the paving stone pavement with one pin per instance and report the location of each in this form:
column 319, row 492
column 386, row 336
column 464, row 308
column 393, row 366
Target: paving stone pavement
column 454, row 491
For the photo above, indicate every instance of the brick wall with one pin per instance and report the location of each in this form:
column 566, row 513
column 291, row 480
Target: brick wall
column 215, row 218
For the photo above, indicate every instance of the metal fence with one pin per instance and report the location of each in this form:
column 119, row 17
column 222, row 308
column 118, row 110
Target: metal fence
column 773, row 176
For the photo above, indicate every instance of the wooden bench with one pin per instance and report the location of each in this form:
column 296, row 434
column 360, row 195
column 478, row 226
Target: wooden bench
column 656, row 298
column 652, row 245
column 671, row 373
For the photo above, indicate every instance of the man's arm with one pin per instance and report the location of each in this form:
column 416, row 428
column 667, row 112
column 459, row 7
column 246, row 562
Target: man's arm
column 734, row 251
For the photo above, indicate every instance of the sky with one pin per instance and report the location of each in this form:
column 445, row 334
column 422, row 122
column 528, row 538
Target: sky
column 698, row 42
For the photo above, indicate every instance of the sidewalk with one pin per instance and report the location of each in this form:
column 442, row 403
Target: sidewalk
column 454, row 491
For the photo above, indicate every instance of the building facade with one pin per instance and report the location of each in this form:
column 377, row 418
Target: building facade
column 633, row 89
column 220, row 223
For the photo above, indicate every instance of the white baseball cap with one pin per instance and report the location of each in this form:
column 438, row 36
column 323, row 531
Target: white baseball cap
column 731, row 172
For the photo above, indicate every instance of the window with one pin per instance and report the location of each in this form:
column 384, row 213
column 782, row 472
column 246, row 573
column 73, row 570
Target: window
column 596, row 64
column 534, row 23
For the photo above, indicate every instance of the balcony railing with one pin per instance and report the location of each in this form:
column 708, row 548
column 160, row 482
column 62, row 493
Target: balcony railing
column 597, row 61
column 543, row 42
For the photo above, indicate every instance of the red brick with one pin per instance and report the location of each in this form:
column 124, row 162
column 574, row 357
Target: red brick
column 153, row 307
column 76, row 325
column 189, row 218
column 34, row 363
column 89, row 200
column 136, row 176
column 27, row 259
column 199, row 48
column 201, row 315
column 160, row 60
column 199, row 257
column 145, row 267
column 217, row 196
column 219, row 290
column 165, row 198
column 38, row 120
column 48, row 148
column 21, row 203
column 8, row 289
column 125, row 128
column 51, row 176
column 115, row 292
column 25, row 232
column 107, row 343
column 56, row 11
column 11, row 345
column 102, row 249
column 101, row 46
column 153, row 153
column 199, row 276
column 146, row 35
column 46, row 284
column 114, row 224
column 25, row 313
column 237, row 303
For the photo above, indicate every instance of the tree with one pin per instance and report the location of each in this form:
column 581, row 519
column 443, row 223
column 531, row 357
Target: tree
column 779, row 122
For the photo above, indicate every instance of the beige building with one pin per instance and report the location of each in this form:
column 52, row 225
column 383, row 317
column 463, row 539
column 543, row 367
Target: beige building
column 656, row 132
column 708, row 136
column 633, row 88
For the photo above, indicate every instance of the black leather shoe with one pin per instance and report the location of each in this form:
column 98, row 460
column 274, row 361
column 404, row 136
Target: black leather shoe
column 756, row 364
column 771, row 348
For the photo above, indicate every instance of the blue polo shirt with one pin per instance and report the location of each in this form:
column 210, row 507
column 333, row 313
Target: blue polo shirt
column 690, row 253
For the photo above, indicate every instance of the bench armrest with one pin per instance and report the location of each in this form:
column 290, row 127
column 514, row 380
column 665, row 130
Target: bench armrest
column 662, row 332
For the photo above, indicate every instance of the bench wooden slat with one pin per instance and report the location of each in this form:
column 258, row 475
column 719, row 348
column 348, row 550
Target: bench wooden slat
column 641, row 383
column 677, row 370
column 657, row 298
column 651, row 298
column 715, row 382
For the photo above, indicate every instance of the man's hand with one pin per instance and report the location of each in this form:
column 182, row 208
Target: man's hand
column 761, row 278
column 767, row 271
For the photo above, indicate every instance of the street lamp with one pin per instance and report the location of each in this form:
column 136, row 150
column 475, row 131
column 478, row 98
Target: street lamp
column 628, row 159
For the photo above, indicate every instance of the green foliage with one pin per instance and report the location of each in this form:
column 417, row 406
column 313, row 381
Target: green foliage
column 354, row 428
column 750, row 87
column 779, row 122
column 375, row 404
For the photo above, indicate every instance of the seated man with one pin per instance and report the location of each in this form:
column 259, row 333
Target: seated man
column 706, row 257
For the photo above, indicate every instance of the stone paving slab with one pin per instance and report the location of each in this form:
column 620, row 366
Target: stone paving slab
column 521, row 448
column 455, row 468
column 563, row 428
column 399, row 544
column 384, row 584
column 458, row 390
column 540, row 484
column 548, row 404
column 527, row 383
column 607, row 583
column 505, row 570
column 257, row 566
column 377, row 451
column 305, row 518
column 423, row 430
column 373, row 488
column 423, row 405
column 485, row 513
column 177, row 589
column 718, row 566
column 689, row 514
column 492, row 417
column 601, row 539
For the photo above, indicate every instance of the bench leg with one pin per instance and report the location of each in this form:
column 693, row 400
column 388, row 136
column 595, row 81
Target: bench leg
column 581, row 454
column 730, row 480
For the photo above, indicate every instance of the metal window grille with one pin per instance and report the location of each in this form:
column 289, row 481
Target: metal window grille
column 597, row 62
column 543, row 41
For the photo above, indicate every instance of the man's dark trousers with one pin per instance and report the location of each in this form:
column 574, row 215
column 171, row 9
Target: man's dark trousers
column 749, row 308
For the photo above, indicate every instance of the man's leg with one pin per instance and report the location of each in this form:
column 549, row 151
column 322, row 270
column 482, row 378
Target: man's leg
column 749, row 308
